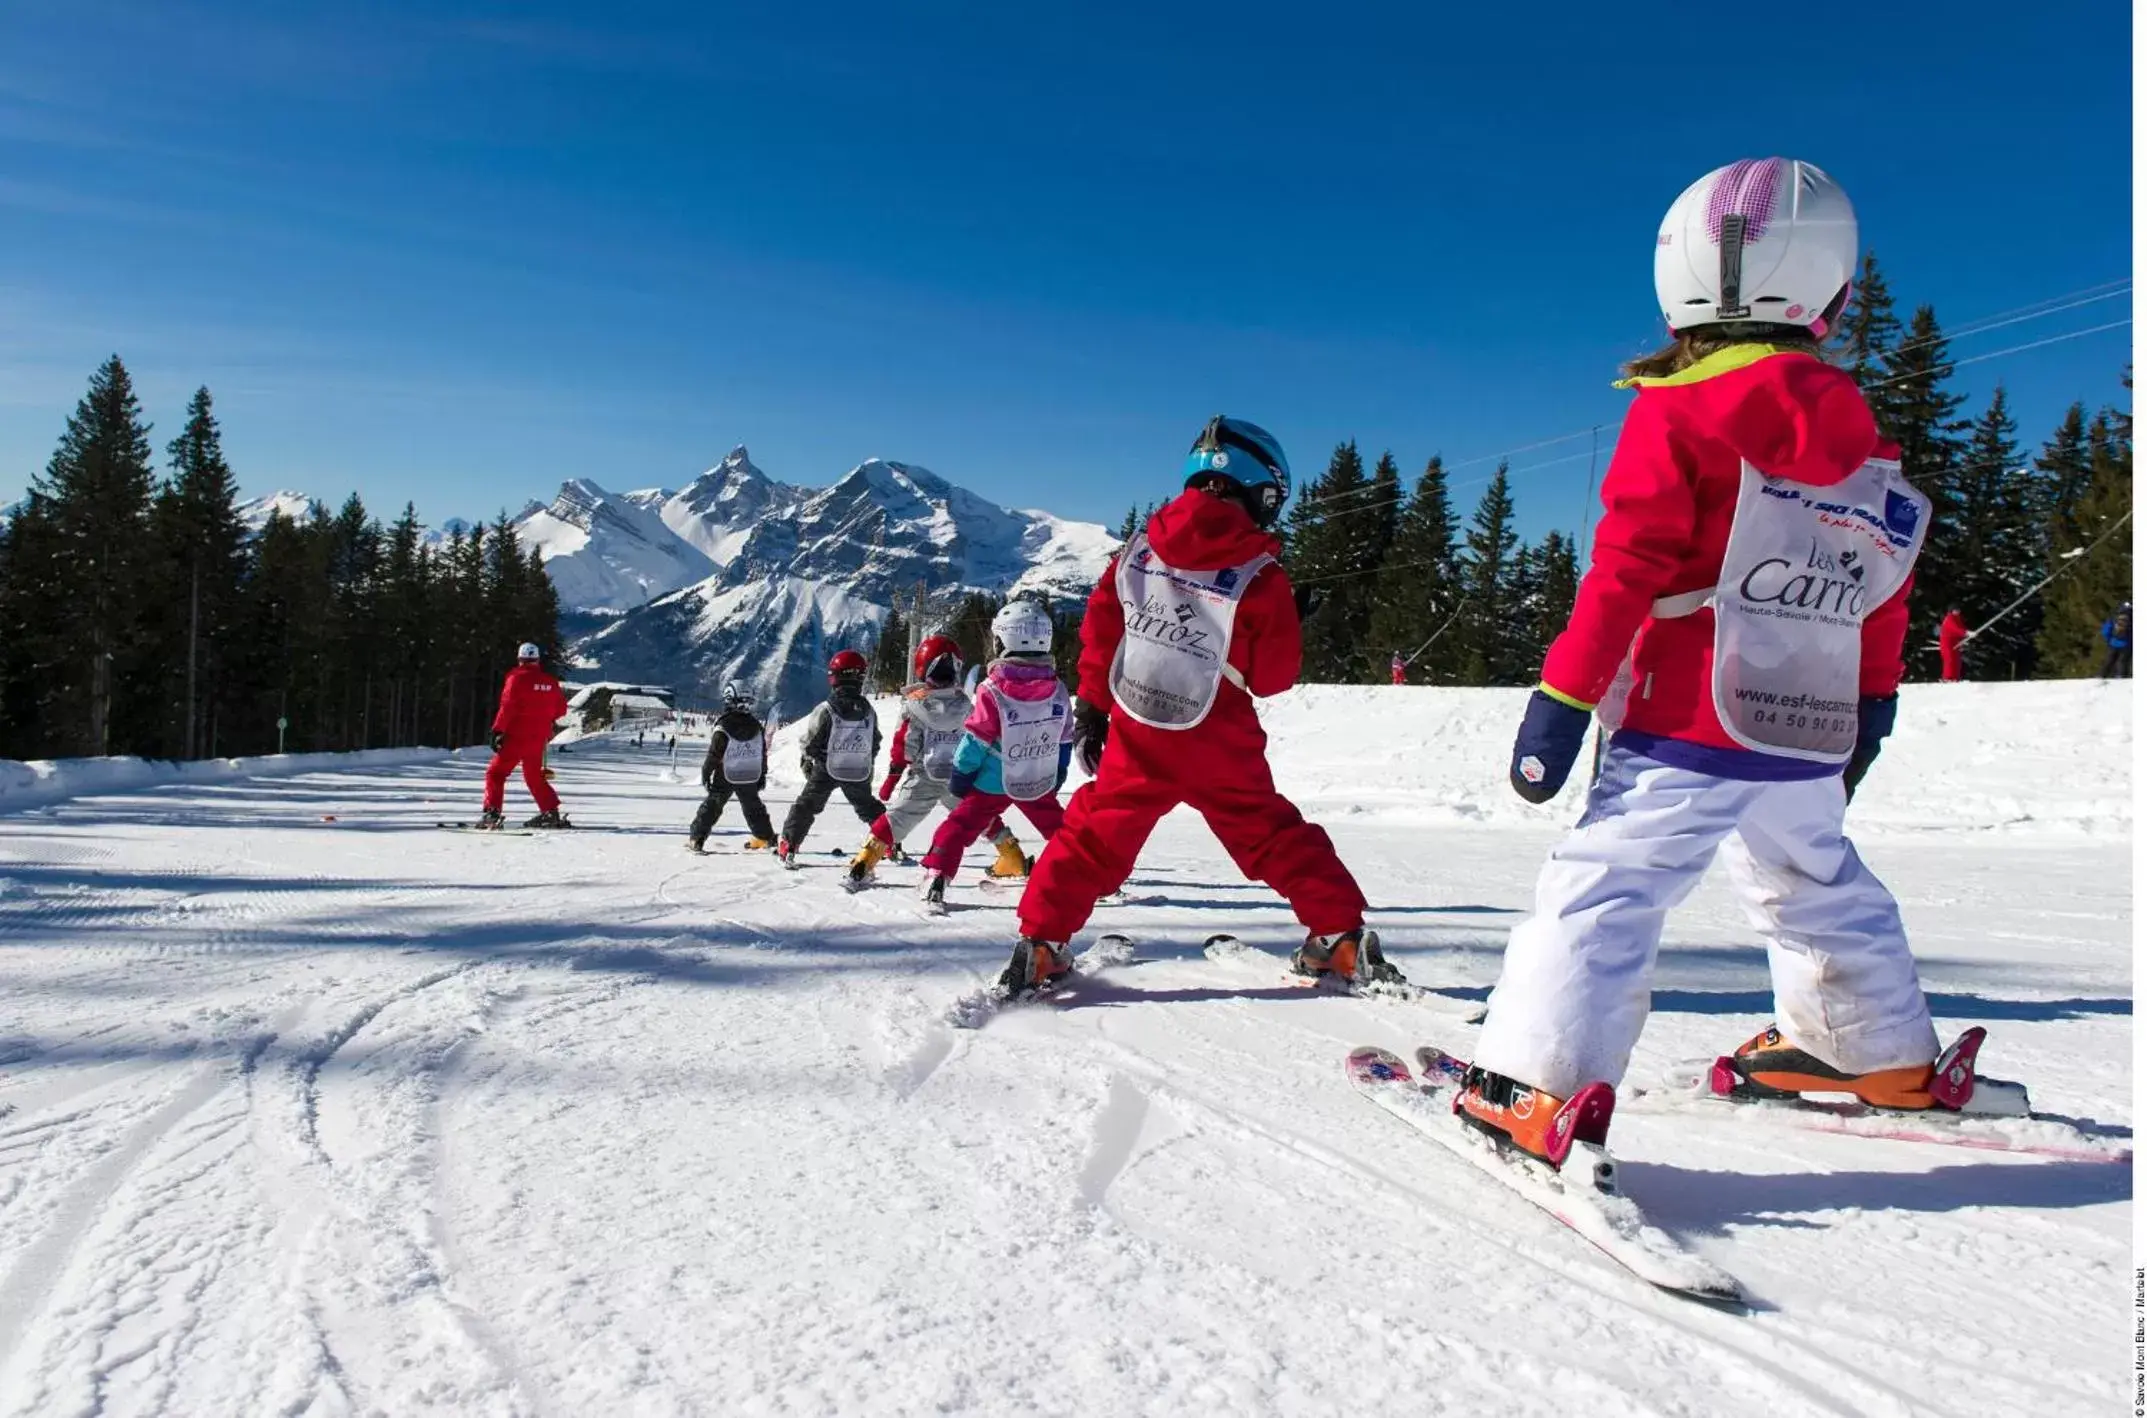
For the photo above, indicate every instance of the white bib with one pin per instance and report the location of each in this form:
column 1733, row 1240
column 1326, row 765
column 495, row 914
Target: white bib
column 1030, row 731
column 849, row 747
column 1803, row 569
column 744, row 760
column 1176, row 650
column 937, row 759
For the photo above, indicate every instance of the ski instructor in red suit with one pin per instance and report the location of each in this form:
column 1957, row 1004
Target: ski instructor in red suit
column 531, row 703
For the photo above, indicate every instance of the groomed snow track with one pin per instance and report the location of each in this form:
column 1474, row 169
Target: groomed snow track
column 354, row 1116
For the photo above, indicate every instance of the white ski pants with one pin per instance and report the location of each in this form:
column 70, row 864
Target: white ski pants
column 914, row 798
column 1574, row 992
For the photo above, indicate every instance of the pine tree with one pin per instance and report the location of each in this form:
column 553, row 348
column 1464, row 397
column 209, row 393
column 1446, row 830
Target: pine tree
column 1867, row 333
column 203, row 546
column 1490, row 647
column 890, row 655
column 1998, row 510
column 32, row 652
column 97, row 492
column 1922, row 415
column 1415, row 592
column 2099, row 578
column 1556, row 569
column 1129, row 526
column 1332, row 548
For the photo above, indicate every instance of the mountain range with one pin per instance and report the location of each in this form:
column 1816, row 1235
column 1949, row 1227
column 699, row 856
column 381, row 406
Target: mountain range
column 740, row 577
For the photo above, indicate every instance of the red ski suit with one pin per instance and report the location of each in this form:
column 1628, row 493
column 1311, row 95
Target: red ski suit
column 1952, row 634
column 530, row 703
column 1218, row 768
column 1668, row 499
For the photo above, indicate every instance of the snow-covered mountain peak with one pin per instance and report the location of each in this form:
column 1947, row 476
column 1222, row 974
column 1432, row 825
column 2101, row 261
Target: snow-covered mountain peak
column 295, row 507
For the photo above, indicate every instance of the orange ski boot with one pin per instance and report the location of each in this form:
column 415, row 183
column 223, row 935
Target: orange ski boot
column 1529, row 1120
column 1769, row 1066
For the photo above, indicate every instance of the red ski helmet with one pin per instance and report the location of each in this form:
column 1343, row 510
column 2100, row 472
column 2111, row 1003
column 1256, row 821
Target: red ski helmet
column 938, row 661
column 847, row 667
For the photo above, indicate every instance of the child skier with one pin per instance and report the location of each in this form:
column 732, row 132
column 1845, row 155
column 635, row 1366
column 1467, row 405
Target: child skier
column 531, row 704
column 736, row 766
column 842, row 739
column 1749, row 595
column 1191, row 620
column 1014, row 749
column 921, row 760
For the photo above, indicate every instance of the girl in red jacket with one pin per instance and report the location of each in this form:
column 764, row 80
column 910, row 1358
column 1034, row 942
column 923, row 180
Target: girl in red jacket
column 1739, row 632
column 1191, row 621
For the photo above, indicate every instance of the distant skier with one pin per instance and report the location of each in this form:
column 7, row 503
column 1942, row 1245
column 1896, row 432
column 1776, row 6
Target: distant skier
column 842, row 739
column 1952, row 634
column 736, row 767
column 1191, row 621
column 531, row 704
column 1767, row 625
column 2117, row 634
column 1015, row 745
column 921, row 761
column 1398, row 668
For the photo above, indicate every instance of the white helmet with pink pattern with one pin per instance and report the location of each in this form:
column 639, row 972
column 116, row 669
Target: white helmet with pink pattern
column 1764, row 241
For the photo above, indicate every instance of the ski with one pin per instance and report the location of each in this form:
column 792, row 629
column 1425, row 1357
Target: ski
column 1997, row 1117
column 1228, row 949
column 979, row 1007
column 487, row 831
column 1584, row 1195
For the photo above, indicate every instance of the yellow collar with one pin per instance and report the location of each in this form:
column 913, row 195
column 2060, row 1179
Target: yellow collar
column 1722, row 361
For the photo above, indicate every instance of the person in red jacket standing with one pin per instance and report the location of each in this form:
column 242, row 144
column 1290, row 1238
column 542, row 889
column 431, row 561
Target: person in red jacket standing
column 1952, row 634
column 531, row 704
column 1740, row 633
column 1191, row 621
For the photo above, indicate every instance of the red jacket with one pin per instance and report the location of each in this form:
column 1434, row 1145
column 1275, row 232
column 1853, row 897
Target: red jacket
column 1952, row 631
column 1197, row 531
column 1668, row 498
column 530, row 703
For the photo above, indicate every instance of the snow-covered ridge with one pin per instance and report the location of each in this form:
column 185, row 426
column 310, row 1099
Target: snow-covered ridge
column 50, row 780
column 295, row 507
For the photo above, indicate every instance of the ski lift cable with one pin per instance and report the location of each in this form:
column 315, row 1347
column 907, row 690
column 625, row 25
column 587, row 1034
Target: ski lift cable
column 2074, row 560
column 2035, row 310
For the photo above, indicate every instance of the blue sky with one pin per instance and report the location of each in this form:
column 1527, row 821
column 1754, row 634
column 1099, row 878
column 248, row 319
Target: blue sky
column 456, row 253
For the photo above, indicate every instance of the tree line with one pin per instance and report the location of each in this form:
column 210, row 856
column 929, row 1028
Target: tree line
column 2038, row 548
column 142, row 615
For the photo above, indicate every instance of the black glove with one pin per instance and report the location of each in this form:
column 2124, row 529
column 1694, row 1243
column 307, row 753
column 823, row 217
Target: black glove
column 961, row 784
column 1874, row 721
column 499, row 739
column 814, row 767
column 1308, row 601
column 1092, row 726
column 1543, row 752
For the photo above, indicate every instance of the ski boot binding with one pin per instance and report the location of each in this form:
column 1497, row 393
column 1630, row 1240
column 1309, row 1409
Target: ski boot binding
column 548, row 820
column 934, row 892
column 492, row 821
column 786, row 852
column 1768, row 1067
column 1531, row 1121
column 1036, row 965
column 868, row 856
column 1352, row 956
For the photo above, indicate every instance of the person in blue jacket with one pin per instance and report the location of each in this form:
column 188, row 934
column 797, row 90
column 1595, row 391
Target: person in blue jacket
column 2117, row 634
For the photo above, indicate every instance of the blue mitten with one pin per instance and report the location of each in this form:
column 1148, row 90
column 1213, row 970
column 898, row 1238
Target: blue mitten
column 1552, row 733
column 1874, row 721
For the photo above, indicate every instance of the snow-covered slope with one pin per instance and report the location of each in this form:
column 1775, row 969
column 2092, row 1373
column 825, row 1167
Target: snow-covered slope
column 309, row 1107
column 608, row 552
column 800, row 572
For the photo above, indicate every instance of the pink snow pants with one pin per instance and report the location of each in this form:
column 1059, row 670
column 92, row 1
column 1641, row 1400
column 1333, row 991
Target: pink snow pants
column 975, row 813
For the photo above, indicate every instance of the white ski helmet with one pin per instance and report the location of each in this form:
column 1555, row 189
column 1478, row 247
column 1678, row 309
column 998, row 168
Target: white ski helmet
column 1793, row 259
column 1022, row 628
column 529, row 651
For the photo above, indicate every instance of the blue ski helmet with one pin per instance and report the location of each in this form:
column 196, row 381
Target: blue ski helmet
column 1247, row 455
